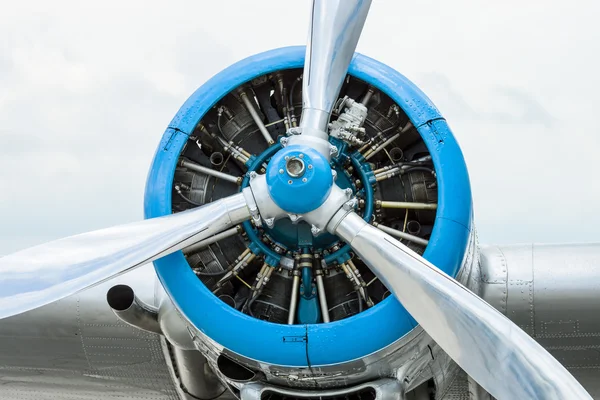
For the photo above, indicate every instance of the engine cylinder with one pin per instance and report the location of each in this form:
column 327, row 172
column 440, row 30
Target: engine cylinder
column 404, row 153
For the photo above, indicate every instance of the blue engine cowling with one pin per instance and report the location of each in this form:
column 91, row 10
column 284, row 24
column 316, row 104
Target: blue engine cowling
column 311, row 344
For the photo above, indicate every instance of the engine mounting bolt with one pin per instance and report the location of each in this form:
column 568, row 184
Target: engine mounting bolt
column 348, row 192
column 350, row 204
column 333, row 150
column 253, row 174
column 284, row 141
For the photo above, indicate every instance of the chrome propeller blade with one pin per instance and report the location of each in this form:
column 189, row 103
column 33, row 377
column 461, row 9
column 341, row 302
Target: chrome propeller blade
column 502, row 358
column 43, row 274
column 335, row 28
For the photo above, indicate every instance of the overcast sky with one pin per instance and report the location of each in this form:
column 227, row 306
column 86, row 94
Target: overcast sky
column 87, row 89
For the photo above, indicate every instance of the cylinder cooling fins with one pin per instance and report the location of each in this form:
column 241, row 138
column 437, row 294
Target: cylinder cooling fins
column 305, row 344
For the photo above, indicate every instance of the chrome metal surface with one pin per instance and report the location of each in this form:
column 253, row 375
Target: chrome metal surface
column 294, row 299
column 401, row 235
column 261, row 126
column 131, row 310
column 551, row 292
column 195, row 376
column 213, row 239
column 376, row 149
column 76, row 348
column 335, row 28
column 40, row 275
column 320, row 217
column 172, row 325
column 413, row 359
column 407, row 205
column 208, row 171
column 459, row 320
column 322, row 298
column 385, row 389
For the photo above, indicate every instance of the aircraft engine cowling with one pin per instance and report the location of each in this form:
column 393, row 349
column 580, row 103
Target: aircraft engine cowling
column 264, row 293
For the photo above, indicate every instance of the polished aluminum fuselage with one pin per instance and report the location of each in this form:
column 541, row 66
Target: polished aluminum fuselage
column 77, row 348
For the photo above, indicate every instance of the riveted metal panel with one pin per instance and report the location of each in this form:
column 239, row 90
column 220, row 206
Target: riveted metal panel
column 77, row 349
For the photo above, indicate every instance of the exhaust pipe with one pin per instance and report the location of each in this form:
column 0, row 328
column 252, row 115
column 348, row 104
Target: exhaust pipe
column 131, row 310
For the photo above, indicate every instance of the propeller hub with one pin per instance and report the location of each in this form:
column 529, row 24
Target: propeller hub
column 299, row 179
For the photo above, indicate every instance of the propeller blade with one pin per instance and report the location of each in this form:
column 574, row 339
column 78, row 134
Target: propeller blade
column 495, row 352
column 335, row 28
column 43, row 274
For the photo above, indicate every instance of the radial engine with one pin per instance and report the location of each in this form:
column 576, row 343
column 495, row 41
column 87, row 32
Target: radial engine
column 280, row 301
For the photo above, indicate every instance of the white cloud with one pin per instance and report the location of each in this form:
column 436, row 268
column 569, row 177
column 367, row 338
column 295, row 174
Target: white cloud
column 86, row 90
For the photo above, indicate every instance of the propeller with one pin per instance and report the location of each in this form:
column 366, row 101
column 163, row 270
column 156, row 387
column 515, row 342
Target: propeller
column 502, row 358
column 335, row 28
column 49, row 272
column 495, row 352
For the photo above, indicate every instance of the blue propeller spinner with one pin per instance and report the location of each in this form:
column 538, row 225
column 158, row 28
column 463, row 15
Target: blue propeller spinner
column 299, row 179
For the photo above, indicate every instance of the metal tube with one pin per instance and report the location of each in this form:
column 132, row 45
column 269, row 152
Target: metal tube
column 335, row 28
column 407, row 205
column 216, row 159
column 294, row 298
column 368, row 96
column 382, row 146
column 131, row 310
column 322, row 297
column 236, row 151
column 396, row 154
column 413, row 227
column 383, row 169
column 256, row 118
column 407, row 164
column 361, row 283
column 244, row 152
column 213, row 239
column 354, row 280
column 260, row 276
column 229, row 149
column 401, row 235
column 267, row 276
column 369, row 141
column 387, row 175
column 240, row 263
column 211, row 172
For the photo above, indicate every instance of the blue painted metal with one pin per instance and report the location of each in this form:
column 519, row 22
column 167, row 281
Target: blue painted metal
column 303, row 193
column 308, row 310
column 338, row 341
column 287, row 234
column 364, row 171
